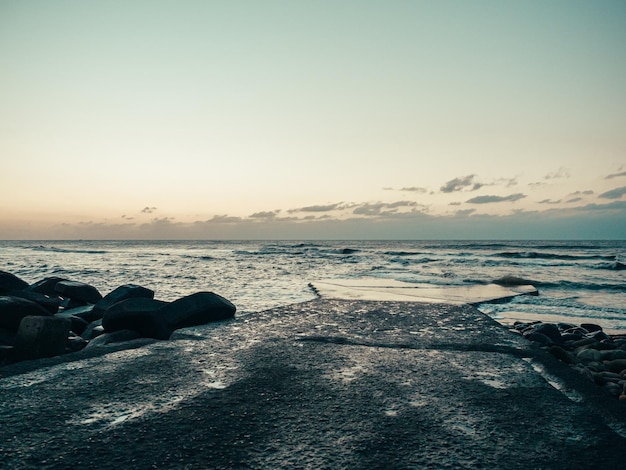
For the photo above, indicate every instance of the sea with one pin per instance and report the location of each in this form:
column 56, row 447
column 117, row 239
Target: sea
column 578, row 281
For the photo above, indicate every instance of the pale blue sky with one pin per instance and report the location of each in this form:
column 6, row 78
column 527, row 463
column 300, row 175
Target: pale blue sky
column 306, row 119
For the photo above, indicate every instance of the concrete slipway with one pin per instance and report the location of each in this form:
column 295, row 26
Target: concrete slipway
column 330, row 383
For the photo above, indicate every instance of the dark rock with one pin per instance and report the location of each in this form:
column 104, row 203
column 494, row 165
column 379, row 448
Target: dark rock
column 139, row 314
column 581, row 332
column 616, row 365
column 127, row 291
column 49, row 303
column 46, row 286
column 613, row 388
column 7, row 337
column 598, row 378
column 596, row 366
column 591, row 327
column 10, row 282
column 598, row 335
column 348, row 251
column 75, row 343
column 583, row 342
column 86, row 312
column 570, row 337
column 94, row 330
column 506, row 281
column 69, row 304
column 114, row 337
column 6, row 354
column 78, row 291
column 611, row 376
column 197, row 309
column 539, row 338
column 565, row 327
column 605, row 344
column 13, row 309
column 551, row 331
column 78, row 324
column 589, row 355
column 563, row 355
column 40, row 336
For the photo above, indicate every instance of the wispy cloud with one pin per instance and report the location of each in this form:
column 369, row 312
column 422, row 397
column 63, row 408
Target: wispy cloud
column 558, row 174
column 468, row 183
column 414, row 189
column 507, row 182
column 148, row 210
column 616, row 175
column 491, row 199
column 224, row 219
column 382, row 208
column 549, row 201
column 614, row 193
column 265, row 214
column 322, row 207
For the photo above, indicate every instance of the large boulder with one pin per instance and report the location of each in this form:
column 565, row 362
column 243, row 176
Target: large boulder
column 14, row 309
column 139, row 314
column 49, row 303
column 7, row 337
column 127, row 291
column 78, row 324
column 10, row 282
column 86, row 312
column 197, row 309
column 46, row 286
column 41, row 337
column 78, row 291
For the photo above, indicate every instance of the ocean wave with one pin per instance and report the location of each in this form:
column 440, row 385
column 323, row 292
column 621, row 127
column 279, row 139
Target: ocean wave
column 401, row 253
column 614, row 266
column 200, row 257
column 555, row 256
column 591, row 286
column 54, row 249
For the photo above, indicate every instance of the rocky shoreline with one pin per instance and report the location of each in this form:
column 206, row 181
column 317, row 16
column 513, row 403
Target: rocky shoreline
column 55, row 316
column 599, row 357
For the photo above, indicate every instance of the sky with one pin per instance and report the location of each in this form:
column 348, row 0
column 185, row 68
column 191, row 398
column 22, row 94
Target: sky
column 279, row 119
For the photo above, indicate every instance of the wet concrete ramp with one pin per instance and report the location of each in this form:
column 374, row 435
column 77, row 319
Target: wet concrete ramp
column 323, row 384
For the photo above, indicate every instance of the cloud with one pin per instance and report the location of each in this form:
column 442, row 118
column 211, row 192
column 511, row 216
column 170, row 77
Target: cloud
column 549, row 201
column 537, row 184
column 609, row 206
column 614, row 193
column 581, row 193
column 574, row 199
column 459, row 184
column 455, row 203
column 265, row 214
column 382, row 208
column 465, row 212
column 558, row 174
column 414, row 189
column 321, row 208
column 616, row 175
column 148, row 210
column 224, row 219
column 507, row 182
column 490, row 199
